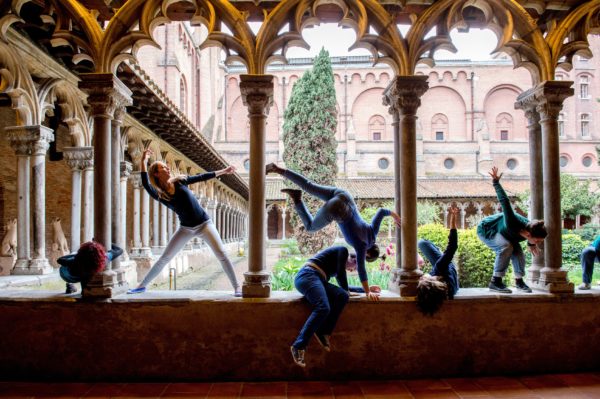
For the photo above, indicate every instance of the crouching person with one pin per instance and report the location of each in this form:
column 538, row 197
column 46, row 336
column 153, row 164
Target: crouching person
column 326, row 299
column 80, row 267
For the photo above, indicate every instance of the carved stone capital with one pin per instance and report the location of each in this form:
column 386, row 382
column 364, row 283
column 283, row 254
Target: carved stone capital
column 29, row 140
column 136, row 179
column 257, row 93
column 79, row 158
column 546, row 98
column 403, row 94
column 105, row 92
column 126, row 169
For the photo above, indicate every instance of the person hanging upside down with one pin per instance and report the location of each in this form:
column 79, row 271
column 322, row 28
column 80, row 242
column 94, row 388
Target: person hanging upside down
column 339, row 207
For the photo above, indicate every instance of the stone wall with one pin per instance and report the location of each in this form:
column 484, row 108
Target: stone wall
column 193, row 336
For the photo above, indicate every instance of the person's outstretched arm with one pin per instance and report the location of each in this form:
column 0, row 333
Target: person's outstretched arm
column 144, row 169
column 441, row 266
column 378, row 218
column 362, row 274
column 341, row 277
column 208, row 175
column 510, row 219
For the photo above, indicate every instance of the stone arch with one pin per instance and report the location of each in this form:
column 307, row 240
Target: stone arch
column 377, row 128
column 367, row 104
column 504, row 127
column 447, row 99
column 439, row 127
column 497, row 101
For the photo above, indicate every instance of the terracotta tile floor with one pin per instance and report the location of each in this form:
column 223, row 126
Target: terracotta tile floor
column 568, row 386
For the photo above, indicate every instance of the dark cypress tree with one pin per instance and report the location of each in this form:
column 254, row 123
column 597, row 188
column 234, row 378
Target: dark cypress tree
column 310, row 123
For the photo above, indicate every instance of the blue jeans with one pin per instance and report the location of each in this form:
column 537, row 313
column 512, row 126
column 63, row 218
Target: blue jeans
column 505, row 252
column 588, row 256
column 338, row 203
column 327, row 300
column 430, row 251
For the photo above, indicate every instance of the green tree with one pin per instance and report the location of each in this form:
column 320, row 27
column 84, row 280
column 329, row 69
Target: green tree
column 310, row 122
column 576, row 198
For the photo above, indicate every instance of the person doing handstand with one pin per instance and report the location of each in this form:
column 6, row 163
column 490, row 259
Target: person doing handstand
column 340, row 207
column 442, row 282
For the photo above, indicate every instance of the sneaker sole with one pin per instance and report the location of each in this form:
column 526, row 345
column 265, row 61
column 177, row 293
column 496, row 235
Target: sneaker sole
column 529, row 290
column 294, row 358
column 501, row 291
column 327, row 348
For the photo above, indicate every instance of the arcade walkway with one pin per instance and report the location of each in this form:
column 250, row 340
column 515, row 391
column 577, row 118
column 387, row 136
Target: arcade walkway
column 571, row 386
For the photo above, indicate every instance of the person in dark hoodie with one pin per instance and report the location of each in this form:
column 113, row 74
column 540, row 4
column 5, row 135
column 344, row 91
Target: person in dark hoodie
column 442, row 282
column 326, row 299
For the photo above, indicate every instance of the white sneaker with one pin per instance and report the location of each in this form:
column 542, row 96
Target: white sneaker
column 585, row 286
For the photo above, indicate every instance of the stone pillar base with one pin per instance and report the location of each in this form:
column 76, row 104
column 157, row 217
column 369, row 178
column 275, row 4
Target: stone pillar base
column 256, row 285
column 6, row 264
column 404, row 283
column 142, row 252
column 104, row 285
column 555, row 282
column 126, row 273
column 32, row 267
column 533, row 276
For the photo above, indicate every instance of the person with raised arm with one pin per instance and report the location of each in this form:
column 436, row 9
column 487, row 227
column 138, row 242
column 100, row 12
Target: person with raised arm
column 339, row 207
column 172, row 191
column 503, row 234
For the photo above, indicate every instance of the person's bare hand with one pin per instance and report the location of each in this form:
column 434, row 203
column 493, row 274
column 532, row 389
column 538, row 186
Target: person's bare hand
column 229, row 170
column 494, row 174
column 535, row 251
column 146, row 154
column 371, row 296
column 397, row 219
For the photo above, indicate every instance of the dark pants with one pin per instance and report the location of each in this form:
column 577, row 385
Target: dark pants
column 588, row 257
column 327, row 300
column 430, row 251
column 338, row 203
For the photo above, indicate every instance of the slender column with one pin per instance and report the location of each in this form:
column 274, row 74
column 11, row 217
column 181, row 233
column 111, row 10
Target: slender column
column 76, row 158
column 16, row 137
column 155, row 227
column 136, row 180
column 257, row 95
column 88, row 199
column 228, row 223
column 403, row 96
column 551, row 95
column 115, row 183
column 163, row 225
column 122, row 241
column 463, row 213
column 169, row 224
column 283, row 222
column 145, row 220
column 528, row 102
column 38, row 139
column 106, row 94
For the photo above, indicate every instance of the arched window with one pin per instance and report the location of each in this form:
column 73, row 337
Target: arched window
column 182, row 95
column 377, row 128
column 439, row 127
column 561, row 125
column 584, row 87
column 584, row 123
column 504, row 126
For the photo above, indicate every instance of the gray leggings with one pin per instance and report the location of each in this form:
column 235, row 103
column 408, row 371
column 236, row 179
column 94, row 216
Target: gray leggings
column 208, row 233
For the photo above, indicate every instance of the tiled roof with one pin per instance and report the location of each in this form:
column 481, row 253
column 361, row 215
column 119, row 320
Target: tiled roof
column 377, row 188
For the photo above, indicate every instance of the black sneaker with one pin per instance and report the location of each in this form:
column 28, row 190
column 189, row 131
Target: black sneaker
column 497, row 285
column 298, row 355
column 521, row 286
column 324, row 341
column 70, row 288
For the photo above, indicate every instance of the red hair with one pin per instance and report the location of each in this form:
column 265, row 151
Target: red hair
column 90, row 259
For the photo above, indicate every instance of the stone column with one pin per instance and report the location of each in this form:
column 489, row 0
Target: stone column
column 169, row 224
column 136, row 180
column 106, row 94
column 463, row 213
column 115, row 194
column 257, row 95
column 163, row 225
column 156, row 227
column 38, row 139
column 228, row 234
column 76, row 158
column 124, row 176
column 145, row 221
column 550, row 95
column 528, row 102
column 88, row 198
column 284, row 209
column 16, row 136
column 445, row 215
column 403, row 97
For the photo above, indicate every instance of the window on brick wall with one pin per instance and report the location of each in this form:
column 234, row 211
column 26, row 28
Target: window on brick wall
column 584, row 87
column 561, row 124
column 504, row 126
column 439, row 127
column 377, row 127
column 585, row 125
column 182, row 95
column 439, row 136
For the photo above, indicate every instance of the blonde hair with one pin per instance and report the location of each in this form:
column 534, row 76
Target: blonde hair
column 162, row 193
